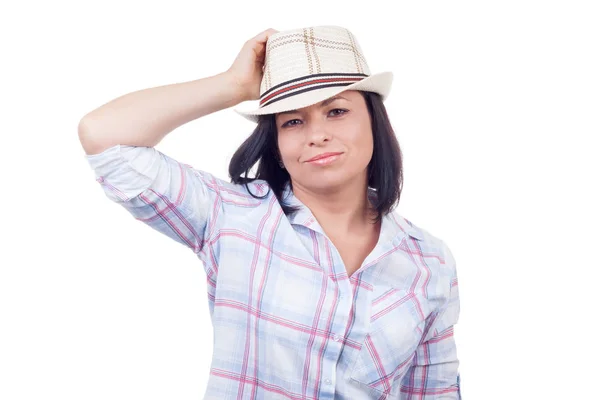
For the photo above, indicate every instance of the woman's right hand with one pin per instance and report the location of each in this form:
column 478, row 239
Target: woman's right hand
column 247, row 68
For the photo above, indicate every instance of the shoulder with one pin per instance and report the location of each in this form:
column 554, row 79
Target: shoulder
column 434, row 256
column 251, row 194
column 426, row 241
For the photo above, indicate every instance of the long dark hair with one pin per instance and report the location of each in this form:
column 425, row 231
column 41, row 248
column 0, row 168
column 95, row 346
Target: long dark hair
column 384, row 170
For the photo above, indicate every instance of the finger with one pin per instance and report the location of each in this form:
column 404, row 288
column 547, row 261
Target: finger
column 264, row 35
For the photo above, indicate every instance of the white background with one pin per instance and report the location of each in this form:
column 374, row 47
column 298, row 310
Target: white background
column 496, row 106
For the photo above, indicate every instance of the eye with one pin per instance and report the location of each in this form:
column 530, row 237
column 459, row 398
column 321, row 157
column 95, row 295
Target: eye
column 334, row 111
column 289, row 123
column 339, row 109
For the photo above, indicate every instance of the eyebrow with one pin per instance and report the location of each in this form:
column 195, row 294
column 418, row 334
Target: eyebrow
column 323, row 104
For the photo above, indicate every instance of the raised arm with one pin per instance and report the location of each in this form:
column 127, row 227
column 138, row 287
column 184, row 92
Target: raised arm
column 175, row 199
column 145, row 117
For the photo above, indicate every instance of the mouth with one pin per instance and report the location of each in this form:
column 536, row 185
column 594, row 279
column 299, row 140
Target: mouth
column 324, row 159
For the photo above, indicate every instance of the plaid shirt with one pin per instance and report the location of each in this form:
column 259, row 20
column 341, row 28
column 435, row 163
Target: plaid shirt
column 289, row 323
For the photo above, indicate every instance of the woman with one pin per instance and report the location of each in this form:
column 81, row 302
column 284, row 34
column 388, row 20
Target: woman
column 317, row 289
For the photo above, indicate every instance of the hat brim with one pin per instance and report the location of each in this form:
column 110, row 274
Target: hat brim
column 379, row 83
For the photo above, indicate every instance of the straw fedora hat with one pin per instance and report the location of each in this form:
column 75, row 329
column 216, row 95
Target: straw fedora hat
column 305, row 66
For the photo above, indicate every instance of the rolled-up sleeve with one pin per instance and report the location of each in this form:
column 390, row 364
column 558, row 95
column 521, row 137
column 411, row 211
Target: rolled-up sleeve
column 434, row 374
column 171, row 197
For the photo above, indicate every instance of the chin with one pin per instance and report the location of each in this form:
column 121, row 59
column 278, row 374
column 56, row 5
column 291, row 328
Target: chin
column 324, row 181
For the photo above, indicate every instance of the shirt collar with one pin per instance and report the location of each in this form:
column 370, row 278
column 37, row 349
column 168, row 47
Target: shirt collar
column 393, row 225
column 303, row 216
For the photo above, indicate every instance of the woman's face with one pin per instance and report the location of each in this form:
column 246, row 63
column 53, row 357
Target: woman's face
column 340, row 125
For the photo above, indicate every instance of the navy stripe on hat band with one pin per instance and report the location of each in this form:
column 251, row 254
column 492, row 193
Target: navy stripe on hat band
column 313, row 76
column 276, row 99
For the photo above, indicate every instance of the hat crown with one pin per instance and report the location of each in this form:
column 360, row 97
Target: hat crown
column 311, row 53
column 308, row 65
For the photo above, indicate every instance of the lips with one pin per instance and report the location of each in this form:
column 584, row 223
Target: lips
column 322, row 155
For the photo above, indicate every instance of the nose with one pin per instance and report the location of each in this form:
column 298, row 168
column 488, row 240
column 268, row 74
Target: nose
column 317, row 134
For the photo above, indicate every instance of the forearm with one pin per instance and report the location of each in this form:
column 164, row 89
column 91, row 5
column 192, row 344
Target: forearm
column 145, row 117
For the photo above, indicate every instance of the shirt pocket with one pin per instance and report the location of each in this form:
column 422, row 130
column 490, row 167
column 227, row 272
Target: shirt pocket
column 396, row 328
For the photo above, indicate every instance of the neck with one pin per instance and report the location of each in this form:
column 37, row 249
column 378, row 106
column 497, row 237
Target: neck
column 343, row 210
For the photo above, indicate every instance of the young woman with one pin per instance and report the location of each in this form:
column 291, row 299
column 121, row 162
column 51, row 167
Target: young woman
column 317, row 288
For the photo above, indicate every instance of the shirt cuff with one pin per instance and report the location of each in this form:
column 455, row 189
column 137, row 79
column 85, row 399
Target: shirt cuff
column 125, row 171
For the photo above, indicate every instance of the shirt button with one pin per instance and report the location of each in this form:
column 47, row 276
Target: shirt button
column 328, row 381
column 337, row 338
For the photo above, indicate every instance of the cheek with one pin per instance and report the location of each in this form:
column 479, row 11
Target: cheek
column 288, row 147
column 362, row 142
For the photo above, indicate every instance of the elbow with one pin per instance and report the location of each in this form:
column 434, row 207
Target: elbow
column 91, row 140
column 85, row 137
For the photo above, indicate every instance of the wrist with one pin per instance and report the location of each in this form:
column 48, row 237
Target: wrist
column 238, row 89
